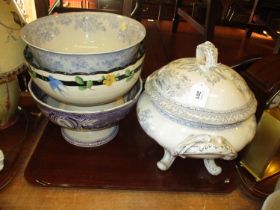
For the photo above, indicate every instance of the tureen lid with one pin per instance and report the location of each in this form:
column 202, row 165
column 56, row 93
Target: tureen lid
column 201, row 90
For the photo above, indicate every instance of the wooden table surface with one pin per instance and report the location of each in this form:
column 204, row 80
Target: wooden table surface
column 20, row 194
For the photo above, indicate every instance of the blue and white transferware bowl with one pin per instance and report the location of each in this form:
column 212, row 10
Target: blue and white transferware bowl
column 86, row 126
column 86, row 89
column 196, row 107
column 83, row 42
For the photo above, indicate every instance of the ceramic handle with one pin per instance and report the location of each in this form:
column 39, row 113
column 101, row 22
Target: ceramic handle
column 208, row 147
column 206, row 55
column 203, row 144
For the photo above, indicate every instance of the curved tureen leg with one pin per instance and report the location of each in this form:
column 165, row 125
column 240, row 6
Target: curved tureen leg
column 166, row 161
column 211, row 167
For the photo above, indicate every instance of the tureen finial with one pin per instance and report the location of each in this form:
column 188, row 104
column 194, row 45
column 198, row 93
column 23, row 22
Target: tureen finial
column 206, row 55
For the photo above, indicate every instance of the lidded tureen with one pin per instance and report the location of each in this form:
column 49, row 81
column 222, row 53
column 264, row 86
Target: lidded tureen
column 197, row 107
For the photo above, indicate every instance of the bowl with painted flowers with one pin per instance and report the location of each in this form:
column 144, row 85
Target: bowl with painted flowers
column 83, row 42
column 86, row 126
column 85, row 89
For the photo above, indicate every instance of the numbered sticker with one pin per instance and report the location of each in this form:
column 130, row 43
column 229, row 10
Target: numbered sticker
column 199, row 94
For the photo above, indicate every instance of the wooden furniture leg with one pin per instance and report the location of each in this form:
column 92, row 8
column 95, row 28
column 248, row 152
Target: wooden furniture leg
column 249, row 30
column 276, row 49
column 206, row 29
column 212, row 6
column 176, row 17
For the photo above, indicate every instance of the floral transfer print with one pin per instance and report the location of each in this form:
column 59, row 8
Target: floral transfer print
column 82, row 84
column 55, row 84
column 145, row 118
column 109, row 79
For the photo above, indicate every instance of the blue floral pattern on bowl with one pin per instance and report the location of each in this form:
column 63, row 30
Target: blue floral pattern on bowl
column 83, row 42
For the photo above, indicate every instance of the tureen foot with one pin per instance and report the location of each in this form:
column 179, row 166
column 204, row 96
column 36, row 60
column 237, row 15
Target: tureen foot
column 212, row 167
column 166, row 161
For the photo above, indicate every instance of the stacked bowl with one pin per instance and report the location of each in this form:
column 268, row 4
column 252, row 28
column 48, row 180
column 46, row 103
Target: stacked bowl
column 85, row 69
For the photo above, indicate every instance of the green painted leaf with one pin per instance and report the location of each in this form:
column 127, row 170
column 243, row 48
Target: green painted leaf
column 32, row 73
column 130, row 76
column 79, row 80
column 127, row 72
column 82, row 87
column 117, row 77
column 89, row 83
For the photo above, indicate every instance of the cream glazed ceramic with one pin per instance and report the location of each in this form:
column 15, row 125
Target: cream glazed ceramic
column 196, row 107
column 86, row 89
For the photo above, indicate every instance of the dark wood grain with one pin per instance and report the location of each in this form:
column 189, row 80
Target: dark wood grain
column 263, row 77
column 11, row 141
column 255, row 189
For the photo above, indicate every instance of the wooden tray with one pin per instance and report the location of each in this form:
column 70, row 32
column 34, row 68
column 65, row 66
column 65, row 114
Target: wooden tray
column 127, row 162
column 11, row 142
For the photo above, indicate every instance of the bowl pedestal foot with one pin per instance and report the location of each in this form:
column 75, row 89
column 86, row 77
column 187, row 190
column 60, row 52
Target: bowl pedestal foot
column 89, row 138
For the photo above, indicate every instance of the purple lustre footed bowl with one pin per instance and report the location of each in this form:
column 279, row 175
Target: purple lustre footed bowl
column 86, row 126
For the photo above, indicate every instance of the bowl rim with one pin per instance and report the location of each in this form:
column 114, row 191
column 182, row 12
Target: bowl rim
column 140, row 81
column 270, row 199
column 25, row 29
column 31, row 60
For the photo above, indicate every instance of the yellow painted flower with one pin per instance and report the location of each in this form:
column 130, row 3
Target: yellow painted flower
column 109, row 79
column 123, row 26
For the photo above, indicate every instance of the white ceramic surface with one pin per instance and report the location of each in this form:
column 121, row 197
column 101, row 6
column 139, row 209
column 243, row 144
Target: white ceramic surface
column 186, row 109
column 272, row 202
column 87, row 89
column 201, row 92
column 186, row 139
column 84, row 42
